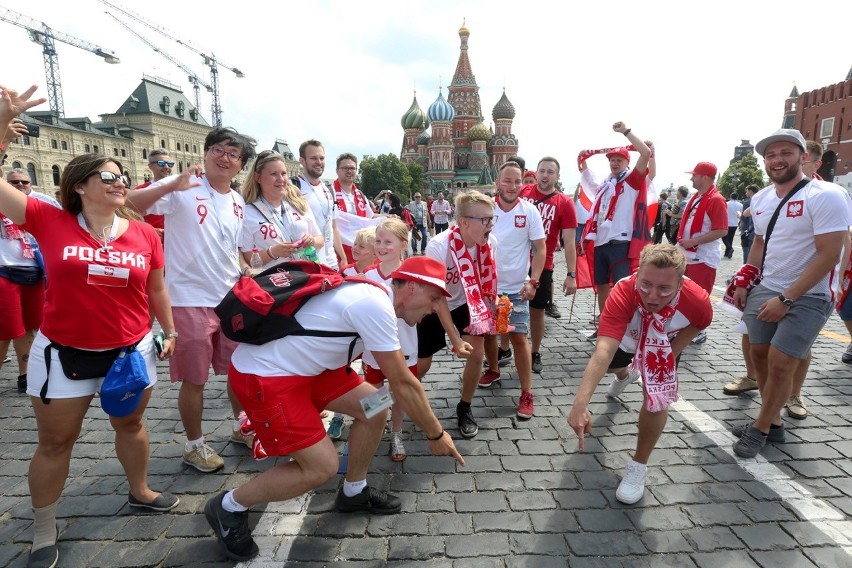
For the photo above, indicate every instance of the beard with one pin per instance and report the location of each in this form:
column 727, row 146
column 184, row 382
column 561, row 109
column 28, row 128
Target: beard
column 787, row 174
column 508, row 201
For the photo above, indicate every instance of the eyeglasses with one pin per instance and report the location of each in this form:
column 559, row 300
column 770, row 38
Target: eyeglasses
column 484, row 220
column 19, row 182
column 348, row 168
column 218, row 151
column 111, row 178
column 162, row 163
column 417, row 197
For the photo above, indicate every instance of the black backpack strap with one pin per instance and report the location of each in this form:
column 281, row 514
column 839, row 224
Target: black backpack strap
column 43, row 392
column 774, row 218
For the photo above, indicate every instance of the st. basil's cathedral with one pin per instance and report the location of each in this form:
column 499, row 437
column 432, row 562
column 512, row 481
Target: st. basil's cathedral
column 460, row 151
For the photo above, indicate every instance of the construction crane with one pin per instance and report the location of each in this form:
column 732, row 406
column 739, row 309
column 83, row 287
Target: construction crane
column 209, row 59
column 196, row 81
column 42, row 34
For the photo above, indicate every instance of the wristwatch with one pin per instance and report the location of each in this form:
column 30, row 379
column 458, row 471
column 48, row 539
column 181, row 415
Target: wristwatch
column 534, row 283
column 572, row 274
column 173, row 335
column 786, row 301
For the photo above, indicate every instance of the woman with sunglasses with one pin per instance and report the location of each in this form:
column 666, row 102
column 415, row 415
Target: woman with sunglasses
column 104, row 270
column 278, row 219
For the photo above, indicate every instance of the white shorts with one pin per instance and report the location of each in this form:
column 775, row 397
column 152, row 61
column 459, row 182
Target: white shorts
column 61, row 386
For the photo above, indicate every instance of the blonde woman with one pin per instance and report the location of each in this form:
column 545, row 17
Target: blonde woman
column 278, row 219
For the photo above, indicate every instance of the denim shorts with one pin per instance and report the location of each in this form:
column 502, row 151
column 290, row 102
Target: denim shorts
column 795, row 332
column 520, row 316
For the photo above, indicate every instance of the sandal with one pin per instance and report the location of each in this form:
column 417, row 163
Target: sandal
column 397, row 450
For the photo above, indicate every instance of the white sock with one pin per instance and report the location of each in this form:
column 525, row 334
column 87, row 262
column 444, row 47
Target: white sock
column 353, row 488
column 230, row 504
column 192, row 444
column 45, row 526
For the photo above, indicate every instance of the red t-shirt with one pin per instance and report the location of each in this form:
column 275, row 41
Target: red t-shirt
column 557, row 213
column 620, row 318
column 95, row 299
column 156, row 221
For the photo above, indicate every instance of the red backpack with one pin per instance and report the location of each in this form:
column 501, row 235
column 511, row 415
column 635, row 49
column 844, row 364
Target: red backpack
column 261, row 308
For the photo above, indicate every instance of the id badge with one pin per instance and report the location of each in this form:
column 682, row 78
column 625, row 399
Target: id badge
column 115, row 276
column 376, row 402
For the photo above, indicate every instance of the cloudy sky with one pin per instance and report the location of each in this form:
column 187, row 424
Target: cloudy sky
column 694, row 78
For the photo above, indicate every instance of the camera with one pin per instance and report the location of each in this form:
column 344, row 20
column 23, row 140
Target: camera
column 33, row 130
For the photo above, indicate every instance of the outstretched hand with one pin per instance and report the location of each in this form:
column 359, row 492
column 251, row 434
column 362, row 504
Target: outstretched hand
column 13, row 103
column 580, row 420
column 444, row 446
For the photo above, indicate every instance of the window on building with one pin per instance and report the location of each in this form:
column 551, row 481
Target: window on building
column 55, row 171
column 87, row 148
column 162, row 143
column 826, row 128
column 64, row 145
column 96, row 150
column 123, row 153
column 53, row 144
column 144, row 154
column 194, row 149
column 180, row 167
column 16, row 165
column 26, row 140
column 32, row 173
column 115, row 151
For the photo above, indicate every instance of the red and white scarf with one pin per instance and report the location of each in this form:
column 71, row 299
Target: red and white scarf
column 698, row 219
column 357, row 196
column 479, row 280
column 654, row 359
column 748, row 276
column 12, row 232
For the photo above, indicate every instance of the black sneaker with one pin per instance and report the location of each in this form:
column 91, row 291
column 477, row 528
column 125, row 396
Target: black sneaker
column 22, row 383
column 536, row 363
column 231, row 529
column 552, row 311
column 467, row 425
column 504, row 357
column 370, row 499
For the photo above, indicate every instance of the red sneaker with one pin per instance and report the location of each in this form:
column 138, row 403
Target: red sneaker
column 488, row 378
column 525, row 406
column 257, row 451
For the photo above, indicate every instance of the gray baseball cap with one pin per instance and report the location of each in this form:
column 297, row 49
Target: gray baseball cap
column 782, row 135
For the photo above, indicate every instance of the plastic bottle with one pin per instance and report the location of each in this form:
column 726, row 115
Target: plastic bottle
column 310, row 254
column 255, row 263
column 504, row 310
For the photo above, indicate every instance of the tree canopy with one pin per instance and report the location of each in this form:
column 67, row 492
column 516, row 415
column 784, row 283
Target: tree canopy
column 386, row 171
column 740, row 174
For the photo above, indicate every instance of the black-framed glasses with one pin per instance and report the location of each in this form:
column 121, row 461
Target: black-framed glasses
column 162, row 163
column 111, row 178
column 218, row 151
column 348, row 168
column 20, row 182
column 484, row 220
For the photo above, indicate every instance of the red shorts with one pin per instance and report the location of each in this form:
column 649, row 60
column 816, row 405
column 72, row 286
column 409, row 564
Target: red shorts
column 702, row 275
column 285, row 411
column 375, row 376
column 200, row 344
column 22, row 308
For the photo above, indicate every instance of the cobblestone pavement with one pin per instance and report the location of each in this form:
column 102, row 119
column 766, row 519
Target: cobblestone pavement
column 526, row 496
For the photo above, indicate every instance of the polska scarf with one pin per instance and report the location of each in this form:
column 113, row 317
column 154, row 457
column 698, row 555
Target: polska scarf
column 700, row 213
column 479, row 281
column 358, row 197
column 654, row 359
column 12, row 232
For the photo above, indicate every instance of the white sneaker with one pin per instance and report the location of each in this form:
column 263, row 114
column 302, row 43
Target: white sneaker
column 632, row 486
column 617, row 387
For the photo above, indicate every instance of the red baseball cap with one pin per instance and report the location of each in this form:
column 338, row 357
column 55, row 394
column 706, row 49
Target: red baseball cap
column 530, row 174
column 704, row 169
column 425, row 270
column 622, row 152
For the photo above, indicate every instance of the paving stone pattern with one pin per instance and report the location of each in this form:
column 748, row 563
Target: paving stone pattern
column 525, row 498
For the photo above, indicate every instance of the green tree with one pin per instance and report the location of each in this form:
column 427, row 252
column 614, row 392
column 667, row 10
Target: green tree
column 385, row 172
column 418, row 179
column 741, row 174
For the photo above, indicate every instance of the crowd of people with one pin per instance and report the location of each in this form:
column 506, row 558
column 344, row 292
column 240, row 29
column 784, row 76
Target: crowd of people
column 420, row 278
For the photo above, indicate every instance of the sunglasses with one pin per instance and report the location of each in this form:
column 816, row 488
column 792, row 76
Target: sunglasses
column 19, row 182
column 111, row 178
column 162, row 163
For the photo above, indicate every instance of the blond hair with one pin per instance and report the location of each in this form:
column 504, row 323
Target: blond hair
column 664, row 255
column 467, row 199
column 365, row 236
column 251, row 190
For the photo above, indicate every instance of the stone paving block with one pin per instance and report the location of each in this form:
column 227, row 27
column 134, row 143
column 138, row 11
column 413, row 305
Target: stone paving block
column 343, row 524
column 451, row 523
column 94, row 528
column 195, row 552
column 194, row 526
column 712, row 538
column 458, row 482
column 415, row 548
column 771, row 512
column 501, row 522
column 398, row 525
column 531, row 501
column 603, row 521
column 363, row 548
column 144, row 527
column 554, row 521
column 417, row 483
column 807, row 534
column 503, row 448
column 535, row 561
column 621, row 543
column 783, row 558
column 499, row 482
column 525, row 463
column 477, row 545
column 477, row 464
column 580, row 499
column 727, row 472
column 665, row 542
column 827, row 556
column 481, row 502
column 480, row 563
column 766, row 536
column 601, row 480
column 433, row 465
column 724, row 514
column 541, row 544
column 659, row 560
column 549, row 480
column 577, row 462
column 314, row 549
column 726, row 558
column 678, row 494
column 659, row 519
column 724, row 492
column 131, row 554
column 540, row 447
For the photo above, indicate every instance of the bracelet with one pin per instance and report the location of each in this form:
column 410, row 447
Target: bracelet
column 272, row 256
column 626, row 132
column 436, row 438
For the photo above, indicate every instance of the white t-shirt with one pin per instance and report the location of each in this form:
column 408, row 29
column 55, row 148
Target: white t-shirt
column 260, row 232
column 515, row 231
column 11, row 250
column 202, row 228
column 441, row 211
column 439, row 249
column 818, row 208
column 407, row 333
column 321, row 200
column 361, row 308
column 349, row 200
column 734, row 207
column 582, row 212
column 714, row 219
column 621, row 226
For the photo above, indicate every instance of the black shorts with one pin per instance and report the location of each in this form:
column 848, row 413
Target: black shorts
column 544, row 292
column 431, row 337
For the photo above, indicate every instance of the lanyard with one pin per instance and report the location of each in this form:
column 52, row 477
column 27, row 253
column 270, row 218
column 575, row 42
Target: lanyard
column 230, row 243
column 113, row 230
